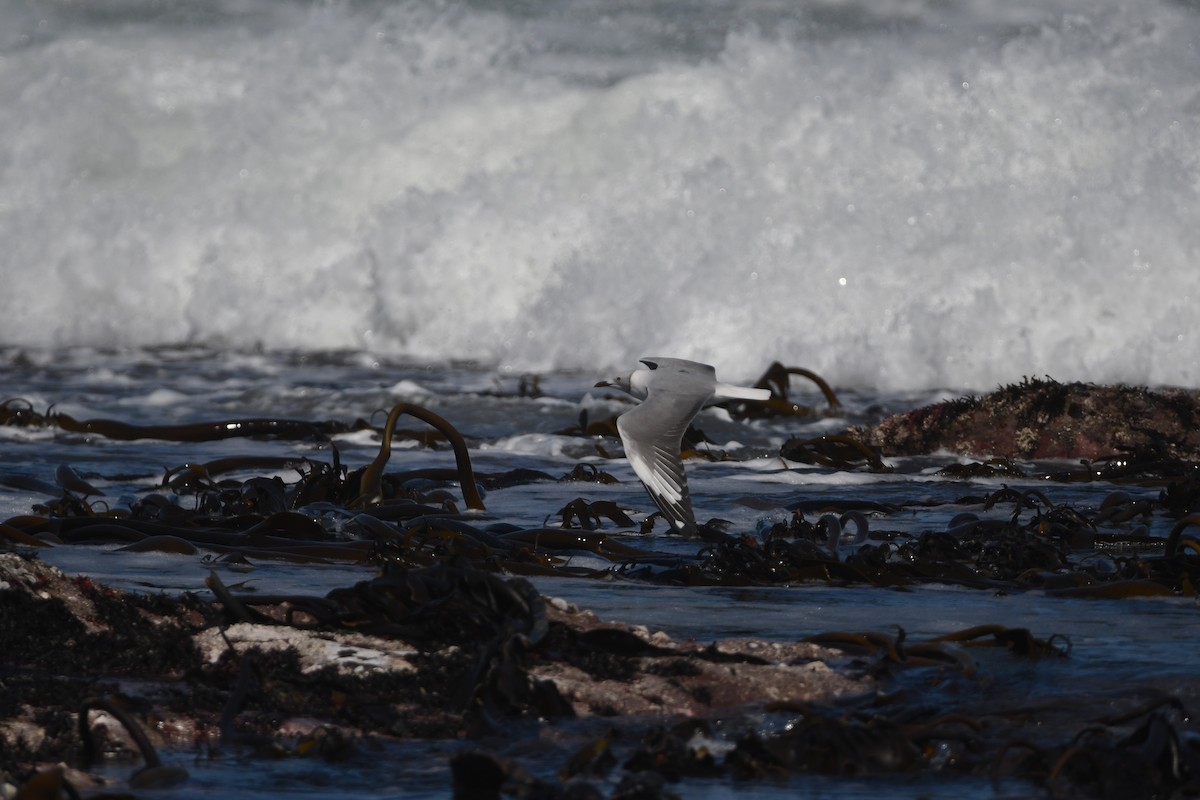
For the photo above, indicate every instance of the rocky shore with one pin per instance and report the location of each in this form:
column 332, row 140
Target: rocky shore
column 475, row 653
column 450, row 653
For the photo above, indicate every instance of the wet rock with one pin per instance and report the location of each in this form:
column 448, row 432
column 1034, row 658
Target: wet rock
column 438, row 652
column 1047, row 419
column 347, row 653
column 680, row 679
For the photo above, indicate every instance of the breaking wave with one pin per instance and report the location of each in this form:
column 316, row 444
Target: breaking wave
column 896, row 196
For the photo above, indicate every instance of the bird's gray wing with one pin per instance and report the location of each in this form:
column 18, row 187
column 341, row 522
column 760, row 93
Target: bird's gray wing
column 652, row 433
column 682, row 368
column 702, row 375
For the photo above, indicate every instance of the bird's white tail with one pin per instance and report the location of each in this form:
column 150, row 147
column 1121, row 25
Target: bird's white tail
column 727, row 391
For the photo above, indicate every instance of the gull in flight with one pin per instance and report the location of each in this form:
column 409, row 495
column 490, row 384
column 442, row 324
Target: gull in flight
column 672, row 392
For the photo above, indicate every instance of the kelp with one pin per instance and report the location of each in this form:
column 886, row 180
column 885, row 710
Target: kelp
column 833, row 451
column 153, row 773
column 19, row 412
column 1142, row 751
column 450, row 583
column 480, row 636
column 496, row 621
column 384, row 520
column 1057, row 548
column 990, row 468
column 371, row 491
column 776, row 378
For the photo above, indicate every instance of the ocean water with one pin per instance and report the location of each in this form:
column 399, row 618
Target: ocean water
column 231, row 208
column 1120, row 650
column 901, row 195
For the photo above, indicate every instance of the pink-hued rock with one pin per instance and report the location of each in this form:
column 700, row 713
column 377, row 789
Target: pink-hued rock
column 1047, row 419
column 696, row 679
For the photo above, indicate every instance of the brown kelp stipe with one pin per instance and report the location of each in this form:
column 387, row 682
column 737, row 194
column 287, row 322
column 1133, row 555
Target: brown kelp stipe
column 1175, row 540
column 776, row 378
column 371, row 489
column 153, row 774
column 199, row 431
column 19, row 412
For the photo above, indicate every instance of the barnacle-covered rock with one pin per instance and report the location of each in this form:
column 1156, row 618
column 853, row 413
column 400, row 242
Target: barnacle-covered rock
column 1047, row 419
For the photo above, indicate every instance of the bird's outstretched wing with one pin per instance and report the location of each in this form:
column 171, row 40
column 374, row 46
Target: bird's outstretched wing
column 702, row 375
column 652, row 434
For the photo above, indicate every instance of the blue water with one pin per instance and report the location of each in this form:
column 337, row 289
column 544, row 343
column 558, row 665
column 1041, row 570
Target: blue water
column 1119, row 648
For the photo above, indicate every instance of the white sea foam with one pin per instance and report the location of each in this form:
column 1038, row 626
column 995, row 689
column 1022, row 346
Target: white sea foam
column 531, row 444
column 407, row 388
column 918, row 198
column 157, row 398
